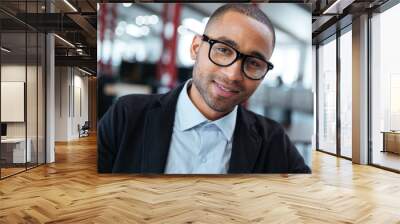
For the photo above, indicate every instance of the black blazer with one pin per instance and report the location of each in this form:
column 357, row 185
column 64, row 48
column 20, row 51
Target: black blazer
column 134, row 136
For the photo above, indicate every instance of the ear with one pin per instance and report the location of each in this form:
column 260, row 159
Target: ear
column 195, row 47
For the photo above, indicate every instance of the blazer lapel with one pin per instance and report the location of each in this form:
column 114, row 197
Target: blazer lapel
column 246, row 144
column 158, row 132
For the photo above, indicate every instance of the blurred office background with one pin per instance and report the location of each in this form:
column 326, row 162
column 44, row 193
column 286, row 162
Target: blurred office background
column 49, row 77
column 139, row 50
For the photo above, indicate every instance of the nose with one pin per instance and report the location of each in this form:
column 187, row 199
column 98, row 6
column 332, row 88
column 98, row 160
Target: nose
column 234, row 71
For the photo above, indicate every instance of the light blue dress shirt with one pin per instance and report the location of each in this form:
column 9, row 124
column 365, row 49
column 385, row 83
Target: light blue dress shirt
column 198, row 145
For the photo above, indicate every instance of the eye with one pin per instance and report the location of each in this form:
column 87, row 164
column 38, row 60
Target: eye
column 254, row 64
column 223, row 50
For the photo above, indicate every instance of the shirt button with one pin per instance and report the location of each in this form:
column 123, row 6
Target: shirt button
column 203, row 160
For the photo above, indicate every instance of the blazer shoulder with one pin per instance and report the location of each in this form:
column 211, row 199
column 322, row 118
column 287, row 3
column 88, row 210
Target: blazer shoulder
column 263, row 124
column 134, row 102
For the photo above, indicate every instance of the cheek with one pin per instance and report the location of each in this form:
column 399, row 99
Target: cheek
column 251, row 86
column 205, row 68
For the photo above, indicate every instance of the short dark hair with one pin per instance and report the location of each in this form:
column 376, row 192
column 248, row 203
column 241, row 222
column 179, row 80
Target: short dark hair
column 247, row 9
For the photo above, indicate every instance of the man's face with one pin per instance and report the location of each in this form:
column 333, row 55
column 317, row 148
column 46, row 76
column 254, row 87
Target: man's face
column 222, row 88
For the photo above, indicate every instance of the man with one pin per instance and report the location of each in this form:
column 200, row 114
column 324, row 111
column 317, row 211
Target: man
column 200, row 127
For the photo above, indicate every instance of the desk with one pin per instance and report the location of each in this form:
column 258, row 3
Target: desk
column 391, row 141
column 15, row 148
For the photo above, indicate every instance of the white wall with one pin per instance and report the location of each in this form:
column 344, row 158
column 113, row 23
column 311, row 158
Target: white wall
column 70, row 84
column 61, row 103
column 33, row 126
column 16, row 72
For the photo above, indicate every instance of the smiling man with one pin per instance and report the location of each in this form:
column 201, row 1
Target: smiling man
column 200, row 127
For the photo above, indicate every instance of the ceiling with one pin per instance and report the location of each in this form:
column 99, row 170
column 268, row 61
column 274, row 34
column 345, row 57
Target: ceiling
column 78, row 24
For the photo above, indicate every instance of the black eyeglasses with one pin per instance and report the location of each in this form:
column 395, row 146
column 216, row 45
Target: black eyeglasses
column 222, row 54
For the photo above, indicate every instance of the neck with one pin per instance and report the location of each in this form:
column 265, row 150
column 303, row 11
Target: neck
column 202, row 106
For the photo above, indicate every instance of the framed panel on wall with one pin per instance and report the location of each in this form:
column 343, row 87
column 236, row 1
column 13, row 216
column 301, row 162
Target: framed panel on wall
column 12, row 101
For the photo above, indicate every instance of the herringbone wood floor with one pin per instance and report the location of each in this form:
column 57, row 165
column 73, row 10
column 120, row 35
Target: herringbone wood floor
column 70, row 191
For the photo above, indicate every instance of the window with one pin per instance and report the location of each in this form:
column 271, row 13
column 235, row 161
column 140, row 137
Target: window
column 385, row 89
column 346, row 94
column 327, row 96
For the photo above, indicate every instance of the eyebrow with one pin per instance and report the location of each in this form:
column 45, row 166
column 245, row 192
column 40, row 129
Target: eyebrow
column 235, row 45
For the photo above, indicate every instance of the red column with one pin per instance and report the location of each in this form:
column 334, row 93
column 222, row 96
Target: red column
column 167, row 72
column 102, row 26
column 107, row 19
column 112, row 25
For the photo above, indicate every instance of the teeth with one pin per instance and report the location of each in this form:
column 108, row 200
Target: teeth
column 225, row 89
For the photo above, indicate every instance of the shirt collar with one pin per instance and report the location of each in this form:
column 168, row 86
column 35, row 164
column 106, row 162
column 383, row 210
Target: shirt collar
column 188, row 116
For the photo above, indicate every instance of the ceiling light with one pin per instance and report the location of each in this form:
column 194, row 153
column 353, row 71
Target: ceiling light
column 5, row 49
column 168, row 30
column 193, row 25
column 338, row 6
column 127, row 4
column 140, row 20
column 122, row 23
column 133, row 30
column 153, row 19
column 84, row 71
column 70, row 5
column 183, row 31
column 145, row 30
column 64, row 40
column 119, row 31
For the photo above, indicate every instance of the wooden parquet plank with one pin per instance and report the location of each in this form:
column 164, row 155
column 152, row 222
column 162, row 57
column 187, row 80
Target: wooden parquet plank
column 71, row 191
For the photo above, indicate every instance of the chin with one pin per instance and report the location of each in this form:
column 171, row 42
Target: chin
column 221, row 108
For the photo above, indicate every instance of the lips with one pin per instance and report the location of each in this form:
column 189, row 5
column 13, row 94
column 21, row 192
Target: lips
column 225, row 90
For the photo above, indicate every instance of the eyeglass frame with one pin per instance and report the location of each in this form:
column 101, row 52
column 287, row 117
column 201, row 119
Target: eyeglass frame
column 239, row 56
